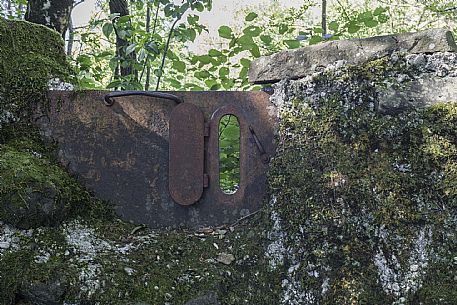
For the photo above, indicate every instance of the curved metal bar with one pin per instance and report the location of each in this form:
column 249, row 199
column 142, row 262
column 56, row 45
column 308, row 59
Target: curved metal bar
column 109, row 98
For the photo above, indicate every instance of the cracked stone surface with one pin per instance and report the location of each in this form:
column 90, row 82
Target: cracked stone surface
column 294, row 64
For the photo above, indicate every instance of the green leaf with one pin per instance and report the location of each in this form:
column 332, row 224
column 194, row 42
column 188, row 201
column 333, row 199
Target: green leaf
column 215, row 87
column 191, row 34
column 130, row 49
column 210, row 83
column 246, row 42
column 266, row 39
column 315, row 39
column 245, row 62
column 333, row 26
column 84, row 60
column 179, row 66
column 365, row 16
column 113, row 63
column 371, row 23
column 225, row 32
column 158, row 72
column 252, row 31
column 123, row 19
column 283, row 28
column 174, row 83
column 192, row 19
column 223, row 72
column 169, row 9
column 379, row 10
column 114, row 84
column 228, row 84
column 383, row 18
column 107, row 29
column 255, row 51
column 202, row 74
column 214, row 53
column 353, row 28
column 141, row 54
column 204, row 59
column 292, row 44
column 251, row 16
column 152, row 47
column 199, row 6
column 244, row 72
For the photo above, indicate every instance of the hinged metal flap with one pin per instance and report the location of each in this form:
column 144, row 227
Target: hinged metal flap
column 186, row 159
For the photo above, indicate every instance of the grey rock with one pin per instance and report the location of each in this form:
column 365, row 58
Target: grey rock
column 294, row 64
column 44, row 293
column 225, row 258
column 208, row 299
column 418, row 93
column 43, row 207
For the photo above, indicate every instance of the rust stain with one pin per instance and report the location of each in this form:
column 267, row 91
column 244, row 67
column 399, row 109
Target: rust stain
column 122, row 152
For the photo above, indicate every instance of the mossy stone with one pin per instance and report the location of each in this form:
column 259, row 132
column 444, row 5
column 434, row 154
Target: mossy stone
column 34, row 191
column 30, row 55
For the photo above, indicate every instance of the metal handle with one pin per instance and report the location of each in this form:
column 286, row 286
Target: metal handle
column 109, row 101
column 263, row 154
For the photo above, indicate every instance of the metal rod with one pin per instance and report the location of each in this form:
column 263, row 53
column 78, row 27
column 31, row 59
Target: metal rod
column 263, row 153
column 109, row 98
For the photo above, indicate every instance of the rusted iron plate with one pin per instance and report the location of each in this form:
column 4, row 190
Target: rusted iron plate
column 186, row 153
column 122, row 153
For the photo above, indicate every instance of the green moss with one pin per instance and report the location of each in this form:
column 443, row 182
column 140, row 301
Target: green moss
column 344, row 173
column 160, row 267
column 35, row 190
column 30, row 55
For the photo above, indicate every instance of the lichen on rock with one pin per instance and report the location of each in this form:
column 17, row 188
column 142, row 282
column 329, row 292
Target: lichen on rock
column 365, row 196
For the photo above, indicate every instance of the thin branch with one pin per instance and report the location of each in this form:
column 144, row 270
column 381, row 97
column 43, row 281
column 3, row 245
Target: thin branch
column 166, row 49
column 324, row 17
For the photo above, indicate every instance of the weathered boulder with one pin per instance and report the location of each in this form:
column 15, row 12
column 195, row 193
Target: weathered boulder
column 363, row 186
column 207, row 299
column 294, row 64
column 51, row 293
column 30, row 55
column 34, row 191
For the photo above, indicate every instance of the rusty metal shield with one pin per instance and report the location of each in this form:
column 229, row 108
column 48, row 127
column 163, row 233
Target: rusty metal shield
column 152, row 158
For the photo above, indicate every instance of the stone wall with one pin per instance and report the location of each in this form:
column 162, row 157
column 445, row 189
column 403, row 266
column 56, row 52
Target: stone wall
column 362, row 205
column 363, row 187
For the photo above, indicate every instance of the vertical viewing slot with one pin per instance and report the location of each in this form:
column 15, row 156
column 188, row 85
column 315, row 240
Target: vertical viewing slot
column 229, row 154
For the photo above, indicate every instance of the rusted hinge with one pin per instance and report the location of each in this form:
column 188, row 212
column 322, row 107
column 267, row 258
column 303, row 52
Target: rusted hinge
column 206, row 131
column 205, row 180
column 263, row 154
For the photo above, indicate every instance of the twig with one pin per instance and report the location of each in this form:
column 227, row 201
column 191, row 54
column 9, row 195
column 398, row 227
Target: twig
column 165, row 51
column 244, row 217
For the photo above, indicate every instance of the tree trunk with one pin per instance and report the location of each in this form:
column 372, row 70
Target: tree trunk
column 148, row 30
column 71, row 37
column 54, row 14
column 121, row 7
column 324, row 17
